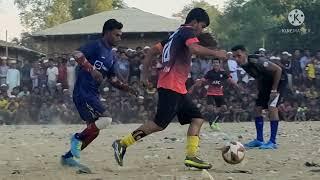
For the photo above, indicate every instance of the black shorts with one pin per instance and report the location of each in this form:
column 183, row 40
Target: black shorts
column 170, row 104
column 265, row 88
column 215, row 100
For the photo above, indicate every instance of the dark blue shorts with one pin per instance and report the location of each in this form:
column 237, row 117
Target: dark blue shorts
column 90, row 109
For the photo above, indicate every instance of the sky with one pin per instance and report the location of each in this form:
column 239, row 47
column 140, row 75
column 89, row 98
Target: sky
column 10, row 21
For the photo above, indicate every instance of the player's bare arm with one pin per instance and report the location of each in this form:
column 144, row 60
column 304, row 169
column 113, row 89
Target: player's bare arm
column 85, row 64
column 276, row 71
column 197, row 49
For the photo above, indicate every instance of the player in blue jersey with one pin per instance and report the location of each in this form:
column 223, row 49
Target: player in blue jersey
column 96, row 61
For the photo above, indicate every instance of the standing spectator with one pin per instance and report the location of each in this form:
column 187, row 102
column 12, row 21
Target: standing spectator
column 296, row 68
column 25, row 74
column 71, row 75
column 134, row 67
column 34, row 73
column 3, row 70
column 122, row 68
column 52, row 73
column 311, row 72
column 262, row 51
column 205, row 65
column 317, row 69
column 286, row 62
column 233, row 67
column 305, row 60
column 43, row 78
column 62, row 73
column 13, row 77
column 195, row 69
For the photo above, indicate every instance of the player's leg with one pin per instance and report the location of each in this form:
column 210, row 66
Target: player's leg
column 166, row 111
column 274, row 116
column 221, row 106
column 96, row 117
column 188, row 113
column 261, row 103
column 120, row 145
column 210, row 101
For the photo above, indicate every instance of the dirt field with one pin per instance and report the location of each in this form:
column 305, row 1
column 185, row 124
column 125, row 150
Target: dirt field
column 33, row 152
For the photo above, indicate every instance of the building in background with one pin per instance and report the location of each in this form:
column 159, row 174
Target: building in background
column 140, row 28
column 17, row 52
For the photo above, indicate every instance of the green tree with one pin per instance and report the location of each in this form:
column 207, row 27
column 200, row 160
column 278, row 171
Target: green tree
column 83, row 8
column 60, row 13
column 33, row 13
column 40, row 14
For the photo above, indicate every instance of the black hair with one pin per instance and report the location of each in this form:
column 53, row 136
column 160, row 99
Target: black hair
column 198, row 14
column 207, row 40
column 111, row 25
column 238, row 47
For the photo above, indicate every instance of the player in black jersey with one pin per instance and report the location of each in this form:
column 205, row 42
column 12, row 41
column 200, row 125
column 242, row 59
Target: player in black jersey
column 272, row 82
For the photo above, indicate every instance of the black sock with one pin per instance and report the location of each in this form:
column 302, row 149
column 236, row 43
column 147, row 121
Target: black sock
column 68, row 155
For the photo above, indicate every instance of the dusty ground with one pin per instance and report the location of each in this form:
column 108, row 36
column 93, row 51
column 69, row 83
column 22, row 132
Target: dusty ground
column 33, row 152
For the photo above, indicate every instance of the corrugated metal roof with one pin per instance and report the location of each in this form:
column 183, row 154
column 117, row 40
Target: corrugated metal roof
column 12, row 45
column 134, row 20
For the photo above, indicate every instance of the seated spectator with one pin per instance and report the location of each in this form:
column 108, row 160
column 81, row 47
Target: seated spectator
column 24, row 92
column 301, row 113
column 285, row 111
column 3, row 102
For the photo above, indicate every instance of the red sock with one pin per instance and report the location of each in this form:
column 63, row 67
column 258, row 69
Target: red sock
column 88, row 135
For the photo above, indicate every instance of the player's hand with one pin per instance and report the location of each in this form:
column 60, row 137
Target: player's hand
column 221, row 54
column 96, row 75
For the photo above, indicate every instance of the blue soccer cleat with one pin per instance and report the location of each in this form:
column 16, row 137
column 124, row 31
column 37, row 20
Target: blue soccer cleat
column 253, row 144
column 71, row 162
column 268, row 145
column 75, row 146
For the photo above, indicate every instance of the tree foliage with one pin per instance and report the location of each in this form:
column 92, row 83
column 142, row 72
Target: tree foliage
column 40, row 14
column 258, row 23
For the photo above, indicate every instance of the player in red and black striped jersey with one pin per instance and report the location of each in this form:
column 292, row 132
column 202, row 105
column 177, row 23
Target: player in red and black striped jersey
column 173, row 99
column 215, row 80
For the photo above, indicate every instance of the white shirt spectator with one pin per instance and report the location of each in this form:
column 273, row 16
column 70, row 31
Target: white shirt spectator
column 3, row 73
column 303, row 63
column 34, row 77
column 13, row 79
column 205, row 66
column 52, row 74
column 233, row 67
column 71, row 77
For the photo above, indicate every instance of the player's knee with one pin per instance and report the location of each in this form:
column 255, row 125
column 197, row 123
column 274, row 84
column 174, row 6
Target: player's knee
column 197, row 121
column 103, row 122
column 274, row 114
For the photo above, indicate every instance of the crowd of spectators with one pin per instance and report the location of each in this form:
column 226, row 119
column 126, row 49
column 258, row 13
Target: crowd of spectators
column 40, row 91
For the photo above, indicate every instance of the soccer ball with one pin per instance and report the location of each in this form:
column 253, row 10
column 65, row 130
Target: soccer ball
column 233, row 152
